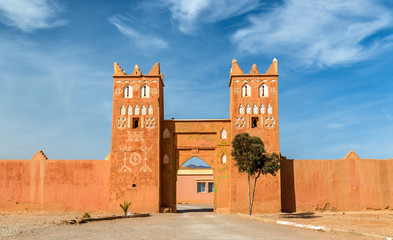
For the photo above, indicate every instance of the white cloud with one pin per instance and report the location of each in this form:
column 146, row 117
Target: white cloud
column 190, row 14
column 318, row 31
column 142, row 40
column 28, row 15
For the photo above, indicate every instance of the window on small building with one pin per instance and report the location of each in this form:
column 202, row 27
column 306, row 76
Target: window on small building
column 254, row 121
column 263, row 90
column 223, row 134
column 246, row 90
column 129, row 110
column 211, row 187
column 135, row 123
column 122, row 110
column 201, row 187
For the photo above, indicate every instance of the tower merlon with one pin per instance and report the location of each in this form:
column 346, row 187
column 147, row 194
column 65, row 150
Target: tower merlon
column 118, row 71
column 236, row 71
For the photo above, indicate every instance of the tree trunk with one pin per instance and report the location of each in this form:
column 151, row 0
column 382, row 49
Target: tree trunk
column 249, row 193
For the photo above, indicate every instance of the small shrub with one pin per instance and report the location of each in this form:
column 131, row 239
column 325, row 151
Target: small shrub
column 86, row 215
column 125, row 206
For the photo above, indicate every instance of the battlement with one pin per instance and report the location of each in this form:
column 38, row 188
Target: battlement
column 236, row 71
column 119, row 72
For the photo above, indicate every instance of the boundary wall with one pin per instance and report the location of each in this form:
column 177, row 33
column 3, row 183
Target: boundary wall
column 349, row 184
column 40, row 184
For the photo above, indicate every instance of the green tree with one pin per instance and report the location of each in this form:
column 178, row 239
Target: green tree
column 251, row 158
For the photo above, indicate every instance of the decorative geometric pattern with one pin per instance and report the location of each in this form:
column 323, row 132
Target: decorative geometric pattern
column 154, row 91
column 269, row 109
column 150, row 110
column 240, row 122
column 166, row 133
column 118, row 91
column 136, row 110
column 241, row 109
column 129, row 110
column 150, row 122
column 223, row 158
column 223, row 134
column 273, row 90
column 145, row 168
column 143, row 110
column 123, row 110
column 121, row 123
column 166, row 159
column 255, row 109
column 134, row 136
column 236, row 90
column 248, row 109
column 262, row 109
column 270, row 122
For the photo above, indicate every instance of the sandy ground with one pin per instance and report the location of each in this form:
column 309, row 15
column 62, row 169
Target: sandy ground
column 372, row 222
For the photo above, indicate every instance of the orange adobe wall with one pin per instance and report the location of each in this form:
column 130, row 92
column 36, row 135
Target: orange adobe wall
column 54, row 185
column 349, row 184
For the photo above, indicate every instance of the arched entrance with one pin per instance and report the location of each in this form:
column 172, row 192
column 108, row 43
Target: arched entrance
column 195, row 186
column 204, row 139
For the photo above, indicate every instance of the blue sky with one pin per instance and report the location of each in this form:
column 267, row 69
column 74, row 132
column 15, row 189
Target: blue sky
column 335, row 64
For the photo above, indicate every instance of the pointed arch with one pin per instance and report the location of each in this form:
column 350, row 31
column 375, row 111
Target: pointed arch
column 263, row 90
column 145, row 91
column 241, row 109
column 223, row 134
column 136, row 110
column 127, row 91
column 122, row 110
column 129, row 110
column 248, row 109
column 255, row 109
column 150, row 110
column 262, row 109
column 269, row 109
column 143, row 110
column 166, row 133
column 166, row 159
column 246, row 90
column 223, row 158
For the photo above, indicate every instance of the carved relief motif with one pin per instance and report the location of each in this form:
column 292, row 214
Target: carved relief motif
column 129, row 110
column 134, row 136
column 248, row 109
column 270, row 122
column 118, row 91
column 223, row 134
column 121, row 122
column 241, row 109
column 166, row 159
column 223, row 158
column 143, row 110
column 273, row 90
column 255, row 109
column 123, row 110
column 269, row 109
column 240, row 122
column 136, row 110
column 150, row 110
column 150, row 122
column 236, row 90
column 262, row 109
column 145, row 150
column 154, row 91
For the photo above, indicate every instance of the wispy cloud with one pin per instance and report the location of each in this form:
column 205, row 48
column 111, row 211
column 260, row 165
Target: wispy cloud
column 191, row 14
column 28, row 15
column 141, row 40
column 319, row 32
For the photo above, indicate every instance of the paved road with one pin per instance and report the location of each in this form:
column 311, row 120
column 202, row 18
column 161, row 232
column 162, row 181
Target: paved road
column 185, row 225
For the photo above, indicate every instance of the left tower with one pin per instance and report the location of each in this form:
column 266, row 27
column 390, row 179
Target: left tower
column 136, row 116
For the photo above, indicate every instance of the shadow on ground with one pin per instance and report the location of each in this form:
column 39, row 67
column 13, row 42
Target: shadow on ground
column 304, row 215
column 185, row 208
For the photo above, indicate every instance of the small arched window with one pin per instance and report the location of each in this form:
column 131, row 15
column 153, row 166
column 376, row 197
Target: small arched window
column 150, row 110
column 224, row 158
column 223, row 134
column 241, row 109
column 166, row 133
column 262, row 109
column 145, row 91
column 127, row 91
column 136, row 110
column 246, row 90
column 255, row 109
column 143, row 110
column 122, row 110
column 129, row 110
column 248, row 109
column 166, row 159
column 263, row 90
column 269, row 109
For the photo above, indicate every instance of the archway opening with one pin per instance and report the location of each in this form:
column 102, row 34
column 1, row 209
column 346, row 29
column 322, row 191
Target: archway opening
column 195, row 187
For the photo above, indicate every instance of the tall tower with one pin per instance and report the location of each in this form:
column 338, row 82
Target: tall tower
column 254, row 109
column 137, row 112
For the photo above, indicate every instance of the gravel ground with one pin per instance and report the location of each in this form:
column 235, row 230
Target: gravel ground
column 371, row 222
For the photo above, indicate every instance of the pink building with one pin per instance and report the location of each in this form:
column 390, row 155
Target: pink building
column 195, row 185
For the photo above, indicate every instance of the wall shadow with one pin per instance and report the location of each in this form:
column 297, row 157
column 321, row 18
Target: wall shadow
column 185, row 208
column 288, row 197
column 306, row 215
